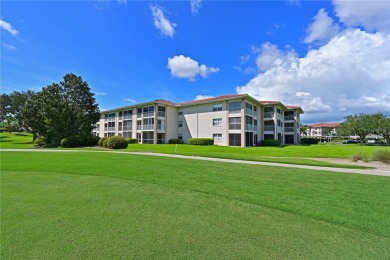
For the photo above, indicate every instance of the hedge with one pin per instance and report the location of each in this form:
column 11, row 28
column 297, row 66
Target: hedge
column 175, row 141
column 201, row 141
column 309, row 141
column 132, row 140
column 270, row 142
column 101, row 141
column 39, row 142
column 78, row 141
column 117, row 142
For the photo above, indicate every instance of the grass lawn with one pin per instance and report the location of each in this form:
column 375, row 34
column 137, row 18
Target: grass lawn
column 106, row 205
column 16, row 140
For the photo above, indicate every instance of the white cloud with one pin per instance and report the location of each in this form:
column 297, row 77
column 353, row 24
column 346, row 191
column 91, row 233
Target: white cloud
column 200, row 97
column 8, row 46
column 349, row 74
column 124, row 2
column 8, row 27
column 100, row 93
column 163, row 24
column 372, row 15
column 195, row 6
column 185, row 67
column 130, row 100
column 321, row 29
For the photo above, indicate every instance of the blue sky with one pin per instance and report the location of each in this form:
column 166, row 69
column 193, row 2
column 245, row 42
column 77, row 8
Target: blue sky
column 332, row 58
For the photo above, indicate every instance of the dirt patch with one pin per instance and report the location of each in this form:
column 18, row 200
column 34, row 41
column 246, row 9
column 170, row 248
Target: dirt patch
column 375, row 164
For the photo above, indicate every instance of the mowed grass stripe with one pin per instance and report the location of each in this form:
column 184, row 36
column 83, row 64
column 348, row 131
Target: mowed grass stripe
column 55, row 215
column 358, row 201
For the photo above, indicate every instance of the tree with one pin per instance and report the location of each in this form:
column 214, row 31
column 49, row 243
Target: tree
column 384, row 129
column 61, row 110
column 362, row 125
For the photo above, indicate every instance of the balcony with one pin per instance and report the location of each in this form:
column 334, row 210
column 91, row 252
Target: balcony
column 161, row 127
column 127, row 128
column 268, row 114
column 269, row 128
column 127, row 116
column 289, row 129
column 288, row 118
column 235, row 111
column 148, row 114
column 109, row 129
column 234, row 126
column 148, row 127
column 249, row 127
column 161, row 114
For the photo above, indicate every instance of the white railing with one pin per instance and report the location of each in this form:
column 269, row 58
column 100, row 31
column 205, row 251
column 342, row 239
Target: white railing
column 269, row 128
column 288, row 117
column 235, row 111
column 148, row 127
column 161, row 113
column 234, row 126
column 249, row 127
column 160, row 127
column 109, row 129
column 268, row 114
column 289, row 129
column 127, row 128
column 148, row 114
column 127, row 117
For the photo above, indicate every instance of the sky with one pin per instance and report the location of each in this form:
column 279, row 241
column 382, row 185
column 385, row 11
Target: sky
column 332, row 58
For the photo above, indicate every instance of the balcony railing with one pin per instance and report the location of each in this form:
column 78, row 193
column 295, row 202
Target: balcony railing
column 235, row 111
column 269, row 128
column 148, row 114
column 268, row 114
column 109, row 129
column 139, row 127
column 127, row 128
column 288, row 117
column 148, row 127
column 160, row 127
column 161, row 114
column 249, row 127
column 234, row 126
column 127, row 116
column 289, row 129
column 139, row 115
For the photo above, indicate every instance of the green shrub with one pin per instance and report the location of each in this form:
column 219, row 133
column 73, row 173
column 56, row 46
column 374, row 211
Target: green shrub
column 382, row 156
column 72, row 141
column 105, row 142
column 175, row 141
column 117, row 142
column 39, row 142
column 309, row 141
column 270, row 142
column 101, row 141
column 132, row 140
column 201, row 141
column 91, row 140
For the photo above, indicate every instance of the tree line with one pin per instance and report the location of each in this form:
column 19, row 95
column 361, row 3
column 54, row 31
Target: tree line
column 60, row 110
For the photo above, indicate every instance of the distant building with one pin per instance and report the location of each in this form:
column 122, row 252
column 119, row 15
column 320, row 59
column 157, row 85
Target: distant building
column 231, row 120
column 322, row 130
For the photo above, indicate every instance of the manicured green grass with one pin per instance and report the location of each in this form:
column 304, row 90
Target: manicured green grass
column 15, row 140
column 107, row 205
column 292, row 151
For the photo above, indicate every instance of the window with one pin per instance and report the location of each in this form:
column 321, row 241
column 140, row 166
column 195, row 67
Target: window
column 254, row 108
column 161, row 111
column 248, row 106
column 127, row 125
column 234, row 123
column 255, row 122
column 180, row 113
column 139, row 125
column 217, row 137
column 180, row 124
column 217, row 107
column 180, row 136
column 148, row 124
column 234, row 139
column 234, row 107
column 217, row 122
column 120, row 126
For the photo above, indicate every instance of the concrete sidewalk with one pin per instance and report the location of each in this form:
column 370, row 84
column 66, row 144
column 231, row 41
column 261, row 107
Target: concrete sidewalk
column 379, row 172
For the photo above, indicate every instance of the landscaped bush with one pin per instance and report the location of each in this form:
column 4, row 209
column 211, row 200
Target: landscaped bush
column 175, row 141
column 91, row 140
column 117, row 142
column 72, row 141
column 39, row 142
column 101, row 141
column 382, row 156
column 270, row 142
column 201, row 141
column 132, row 140
column 105, row 142
column 309, row 141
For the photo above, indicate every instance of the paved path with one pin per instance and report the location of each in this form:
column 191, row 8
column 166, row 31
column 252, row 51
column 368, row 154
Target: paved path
column 319, row 168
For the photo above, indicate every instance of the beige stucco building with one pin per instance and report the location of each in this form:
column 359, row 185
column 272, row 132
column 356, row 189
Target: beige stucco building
column 231, row 120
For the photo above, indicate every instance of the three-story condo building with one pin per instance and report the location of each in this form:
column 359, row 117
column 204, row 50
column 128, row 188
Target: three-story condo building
column 231, row 120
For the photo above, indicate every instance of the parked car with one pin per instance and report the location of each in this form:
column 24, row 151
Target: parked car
column 352, row 142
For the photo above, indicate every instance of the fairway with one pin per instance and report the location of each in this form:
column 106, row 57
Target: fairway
column 103, row 205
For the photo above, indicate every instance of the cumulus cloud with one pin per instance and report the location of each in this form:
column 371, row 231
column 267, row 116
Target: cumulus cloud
column 8, row 27
column 321, row 29
column 122, row 2
column 185, row 67
column 349, row 73
column 8, row 46
column 200, row 97
column 372, row 15
column 195, row 6
column 163, row 24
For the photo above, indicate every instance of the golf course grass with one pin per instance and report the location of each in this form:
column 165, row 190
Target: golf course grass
column 77, row 205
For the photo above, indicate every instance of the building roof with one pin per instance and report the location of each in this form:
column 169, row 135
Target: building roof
column 325, row 125
column 207, row 100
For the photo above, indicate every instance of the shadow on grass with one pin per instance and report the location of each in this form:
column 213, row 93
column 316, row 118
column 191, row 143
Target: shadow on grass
column 21, row 134
column 3, row 137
